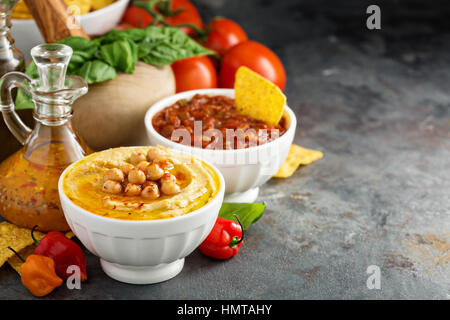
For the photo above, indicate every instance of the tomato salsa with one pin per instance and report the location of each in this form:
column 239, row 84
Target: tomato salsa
column 222, row 126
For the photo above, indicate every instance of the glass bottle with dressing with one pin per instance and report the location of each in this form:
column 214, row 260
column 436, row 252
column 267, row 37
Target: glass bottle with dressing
column 11, row 59
column 29, row 177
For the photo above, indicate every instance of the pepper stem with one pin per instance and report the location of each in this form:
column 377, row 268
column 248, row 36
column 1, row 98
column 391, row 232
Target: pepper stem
column 17, row 254
column 235, row 241
column 32, row 236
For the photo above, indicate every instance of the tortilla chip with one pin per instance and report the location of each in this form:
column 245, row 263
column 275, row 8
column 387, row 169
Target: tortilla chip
column 99, row 4
column 16, row 238
column 20, row 11
column 22, row 16
column 15, row 261
column 70, row 234
column 257, row 97
column 77, row 7
column 20, row 7
column 297, row 156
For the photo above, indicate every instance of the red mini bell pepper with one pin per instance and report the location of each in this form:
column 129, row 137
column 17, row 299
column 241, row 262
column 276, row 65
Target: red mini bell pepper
column 224, row 240
column 63, row 251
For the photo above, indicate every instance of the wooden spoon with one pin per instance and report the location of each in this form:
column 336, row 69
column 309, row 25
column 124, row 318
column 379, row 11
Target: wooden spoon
column 54, row 20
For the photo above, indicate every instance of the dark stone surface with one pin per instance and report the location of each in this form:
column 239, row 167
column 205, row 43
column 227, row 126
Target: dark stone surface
column 377, row 103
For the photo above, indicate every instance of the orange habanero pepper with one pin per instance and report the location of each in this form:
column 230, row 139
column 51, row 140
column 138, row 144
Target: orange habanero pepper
column 38, row 275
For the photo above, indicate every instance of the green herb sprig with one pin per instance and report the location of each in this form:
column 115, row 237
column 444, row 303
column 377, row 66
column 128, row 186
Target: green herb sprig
column 248, row 213
column 100, row 59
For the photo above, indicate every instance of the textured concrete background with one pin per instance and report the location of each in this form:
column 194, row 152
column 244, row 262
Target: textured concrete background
column 377, row 103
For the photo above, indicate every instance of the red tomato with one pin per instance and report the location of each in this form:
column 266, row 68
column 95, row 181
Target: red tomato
column 137, row 17
column 123, row 26
column 224, row 34
column 140, row 18
column 254, row 56
column 194, row 73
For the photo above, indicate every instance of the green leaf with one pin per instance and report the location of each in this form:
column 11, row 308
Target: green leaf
column 121, row 54
column 83, row 48
column 134, row 35
column 22, row 100
column 96, row 71
column 248, row 213
column 99, row 59
column 165, row 45
column 32, row 71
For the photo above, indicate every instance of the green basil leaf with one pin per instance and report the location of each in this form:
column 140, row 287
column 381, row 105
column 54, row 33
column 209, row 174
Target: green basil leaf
column 23, row 101
column 121, row 54
column 83, row 49
column 99, row 59
column 96, row 71
column 247, row 213
column 165, row 45
column 32, row 70
column 134, row 35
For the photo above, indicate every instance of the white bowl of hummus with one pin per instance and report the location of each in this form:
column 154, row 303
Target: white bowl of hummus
column 140, row 222
column 245, row 169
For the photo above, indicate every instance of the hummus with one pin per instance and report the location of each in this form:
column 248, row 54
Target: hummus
column 82, row 184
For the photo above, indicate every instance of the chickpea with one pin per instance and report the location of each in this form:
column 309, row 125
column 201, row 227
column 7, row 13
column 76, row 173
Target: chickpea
column 166, row 165
column 111, row 186
column 154, row 171
column 169, row 185
column 132, row 190
column 126, row 167
column 167, row 177
column 150, row 191
column 155, row 153
column 136, row 157
column 142, row 165
column 114, row 174
column 136, row 176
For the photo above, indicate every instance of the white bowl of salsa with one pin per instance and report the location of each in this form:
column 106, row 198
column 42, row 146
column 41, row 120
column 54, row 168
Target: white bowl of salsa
column 244, row 169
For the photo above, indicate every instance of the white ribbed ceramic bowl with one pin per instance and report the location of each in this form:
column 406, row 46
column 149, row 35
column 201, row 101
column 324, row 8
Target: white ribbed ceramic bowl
column 27, row 35
column 244, row 169
column 142, row 252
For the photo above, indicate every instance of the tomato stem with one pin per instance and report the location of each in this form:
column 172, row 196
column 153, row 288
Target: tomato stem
column 149, row 6
column 163, row 7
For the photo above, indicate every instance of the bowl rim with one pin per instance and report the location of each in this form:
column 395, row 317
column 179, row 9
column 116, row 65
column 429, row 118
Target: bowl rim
column 183, row 217
column 160, row 104
column 91, row 14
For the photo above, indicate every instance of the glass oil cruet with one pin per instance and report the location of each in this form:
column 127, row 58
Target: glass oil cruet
column 11, row 59
column 29, row 177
